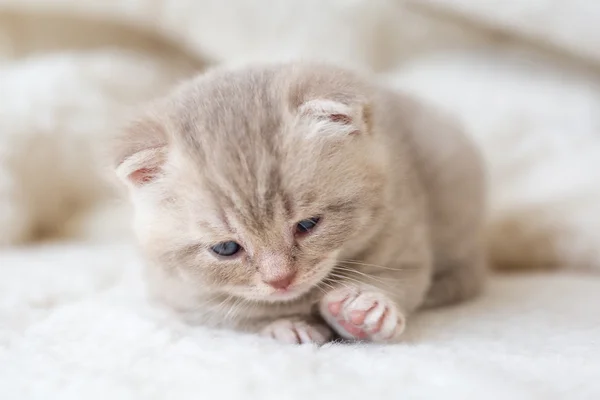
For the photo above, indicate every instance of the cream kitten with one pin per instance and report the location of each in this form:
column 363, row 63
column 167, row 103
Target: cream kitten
column 299, row 200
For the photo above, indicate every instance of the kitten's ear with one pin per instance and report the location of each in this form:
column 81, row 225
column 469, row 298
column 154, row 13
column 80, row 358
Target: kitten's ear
column 333, row 118
column 140, row 152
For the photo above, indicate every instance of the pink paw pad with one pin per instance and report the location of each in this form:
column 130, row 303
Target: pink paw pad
column 335, row 307
column 363, row 315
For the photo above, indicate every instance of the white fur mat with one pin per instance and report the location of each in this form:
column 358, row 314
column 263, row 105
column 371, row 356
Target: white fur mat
column 524, row 78
column 76, row 325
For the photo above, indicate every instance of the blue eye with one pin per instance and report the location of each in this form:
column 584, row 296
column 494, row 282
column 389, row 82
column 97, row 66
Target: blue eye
column 226, row 249
column 306, row 225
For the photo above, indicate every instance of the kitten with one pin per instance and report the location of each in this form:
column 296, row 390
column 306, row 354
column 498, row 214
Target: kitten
column 301, row 200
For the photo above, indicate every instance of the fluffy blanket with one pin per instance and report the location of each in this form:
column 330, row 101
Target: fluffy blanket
column 75, row 324
column 522, row 76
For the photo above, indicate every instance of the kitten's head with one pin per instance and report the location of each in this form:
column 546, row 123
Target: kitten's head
column 250, row 182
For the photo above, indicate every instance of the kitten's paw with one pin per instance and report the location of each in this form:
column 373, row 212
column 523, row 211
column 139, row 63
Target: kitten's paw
column 362, row 314
column 297, row 331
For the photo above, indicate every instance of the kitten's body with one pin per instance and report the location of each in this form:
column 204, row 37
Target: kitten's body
column 243, row 155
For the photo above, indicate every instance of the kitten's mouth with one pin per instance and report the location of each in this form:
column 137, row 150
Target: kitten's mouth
column 300, row 288
column 286, row 294
column 291, row 293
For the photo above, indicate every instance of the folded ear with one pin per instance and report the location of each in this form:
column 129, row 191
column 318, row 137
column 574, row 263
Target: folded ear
column 140, row 152
column 142, row 167
column 333, row 118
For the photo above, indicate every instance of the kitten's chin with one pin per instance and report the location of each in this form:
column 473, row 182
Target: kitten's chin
column 288, row 295
column 295, row 292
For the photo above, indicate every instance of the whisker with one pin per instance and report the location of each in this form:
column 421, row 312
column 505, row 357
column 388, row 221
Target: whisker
column 341, row 268
column 357, row 262
column 382, row 279
column 362, row 282
column 385, row 288
column 222, row 303
column 239, row 308
column 320, row 289
column 354, row 271
column 405, row 267
column 349, row 278
column 330, row 286
column 237, row 302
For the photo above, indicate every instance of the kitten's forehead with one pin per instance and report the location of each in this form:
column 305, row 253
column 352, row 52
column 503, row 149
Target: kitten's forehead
column 233, row 129
column 228, row 133
column 226, row 101
column 230, row 103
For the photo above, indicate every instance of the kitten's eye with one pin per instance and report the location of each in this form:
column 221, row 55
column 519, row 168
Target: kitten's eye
column 306, row 225
column 226, row 249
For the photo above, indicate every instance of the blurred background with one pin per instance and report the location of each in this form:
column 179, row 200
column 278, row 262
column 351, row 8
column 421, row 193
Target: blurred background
column 522, row 76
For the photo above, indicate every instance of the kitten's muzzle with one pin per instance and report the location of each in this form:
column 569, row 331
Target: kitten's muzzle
column 281, row 282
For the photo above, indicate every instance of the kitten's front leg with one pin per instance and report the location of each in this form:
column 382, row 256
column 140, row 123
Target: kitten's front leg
column 377, row 309
column 298, row 330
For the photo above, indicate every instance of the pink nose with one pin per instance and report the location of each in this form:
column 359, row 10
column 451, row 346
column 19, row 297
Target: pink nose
column 281, row 282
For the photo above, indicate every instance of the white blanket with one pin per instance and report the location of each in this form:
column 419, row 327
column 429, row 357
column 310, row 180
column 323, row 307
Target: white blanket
column 523, row 77
column 75, row 324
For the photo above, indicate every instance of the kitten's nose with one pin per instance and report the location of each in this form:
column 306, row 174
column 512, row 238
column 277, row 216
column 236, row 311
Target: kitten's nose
column 281, row 282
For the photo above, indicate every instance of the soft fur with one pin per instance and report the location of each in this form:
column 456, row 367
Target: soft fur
column 74, row 320
column 244, row 154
